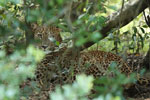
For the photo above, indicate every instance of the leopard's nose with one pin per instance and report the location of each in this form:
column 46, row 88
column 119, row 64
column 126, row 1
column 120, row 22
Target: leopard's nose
column 44, row 46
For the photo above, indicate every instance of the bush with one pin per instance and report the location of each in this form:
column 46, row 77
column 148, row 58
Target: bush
column 104, row 88
column 14, row 69
column 79, row 90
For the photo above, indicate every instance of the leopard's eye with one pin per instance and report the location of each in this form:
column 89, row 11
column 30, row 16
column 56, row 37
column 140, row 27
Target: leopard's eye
column 39, row 35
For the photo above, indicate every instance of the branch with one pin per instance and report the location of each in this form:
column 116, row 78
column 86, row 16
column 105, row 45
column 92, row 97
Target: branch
column 130, row 11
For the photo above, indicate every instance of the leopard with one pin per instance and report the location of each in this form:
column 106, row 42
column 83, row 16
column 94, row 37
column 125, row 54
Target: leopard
column 50, row 34
column 61, row 67
column 68, row 65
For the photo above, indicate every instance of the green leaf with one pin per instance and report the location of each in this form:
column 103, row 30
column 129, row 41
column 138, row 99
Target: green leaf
column 60, row 2
column 95, row 36
column 126, row 32
column 80, row 41
column 134, row 29
column 57, row 43
column 112, row 7
column 142, row 29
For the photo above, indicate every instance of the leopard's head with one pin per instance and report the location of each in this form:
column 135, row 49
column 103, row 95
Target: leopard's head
column 48, row 36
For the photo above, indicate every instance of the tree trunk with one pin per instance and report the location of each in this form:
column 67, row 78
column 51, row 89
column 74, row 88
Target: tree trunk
column 146, row 60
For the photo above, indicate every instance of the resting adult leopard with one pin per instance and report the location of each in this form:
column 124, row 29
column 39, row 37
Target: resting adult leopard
column 62, row 66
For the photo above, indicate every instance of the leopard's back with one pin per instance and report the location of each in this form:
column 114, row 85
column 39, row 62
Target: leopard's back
column 102, row 60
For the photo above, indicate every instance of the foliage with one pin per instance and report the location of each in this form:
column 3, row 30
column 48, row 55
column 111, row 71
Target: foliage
column 106, row 86
column 18, row 60
column 81, row 88
column 77, row 91
column 15, row 69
